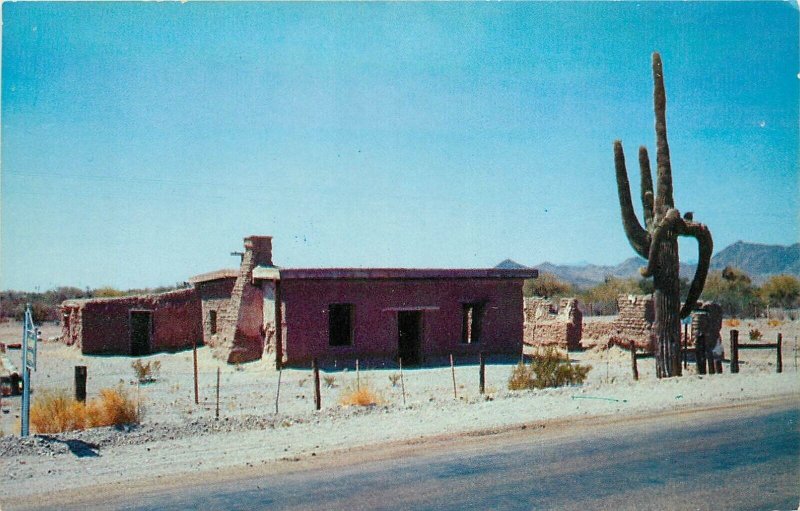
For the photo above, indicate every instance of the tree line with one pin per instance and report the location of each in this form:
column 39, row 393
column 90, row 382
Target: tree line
column 45, row 305
column 732, row 288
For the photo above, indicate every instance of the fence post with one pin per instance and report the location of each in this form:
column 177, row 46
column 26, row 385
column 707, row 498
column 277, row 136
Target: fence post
column 633, row 362
column 402, row 383
column 453, row 372
column 80, row 383
column 317, row 398
column 482, row 378
column 278, row 392
column 700, row 352
column 216, row 413
column 194, row 358
column 779, row 358
column 734, row 351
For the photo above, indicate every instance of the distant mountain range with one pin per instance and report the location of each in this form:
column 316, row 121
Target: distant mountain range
column 757, row 260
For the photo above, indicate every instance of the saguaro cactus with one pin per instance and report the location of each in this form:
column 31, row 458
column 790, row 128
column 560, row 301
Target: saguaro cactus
column 657, row 241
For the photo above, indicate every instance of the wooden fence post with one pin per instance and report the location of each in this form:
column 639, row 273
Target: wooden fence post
column 734, row 351
column 779, row 356
column 482, row 377
column 633, row 362
column 402, row 383
column 700, row 352
column 80, row 383
column 317, row 397
column 453, row 372
column 216, row 413
column 194, row 357
column 278, row 392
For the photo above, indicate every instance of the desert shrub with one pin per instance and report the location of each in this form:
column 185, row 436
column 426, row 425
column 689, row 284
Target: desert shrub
column 146, row 372
column 114, row 407
column 755, row 334
column 363, row 394
column 732, row 323
column 394, row 379
column 548, row 368
column 774, row 323
column 330, row 381
column 56, row 411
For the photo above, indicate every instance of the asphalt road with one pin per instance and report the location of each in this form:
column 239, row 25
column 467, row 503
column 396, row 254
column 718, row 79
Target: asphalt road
column 729, row 461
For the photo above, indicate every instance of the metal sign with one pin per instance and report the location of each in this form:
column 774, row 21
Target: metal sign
column 29, row 341
column 30, row 338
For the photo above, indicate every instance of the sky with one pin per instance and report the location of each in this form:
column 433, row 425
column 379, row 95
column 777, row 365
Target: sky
column 141, row 142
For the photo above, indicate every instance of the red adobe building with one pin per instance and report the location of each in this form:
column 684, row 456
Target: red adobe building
column 334, row 314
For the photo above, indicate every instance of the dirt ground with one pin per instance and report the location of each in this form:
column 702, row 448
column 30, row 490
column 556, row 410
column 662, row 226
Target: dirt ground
column 250, row 389
column 177, row 437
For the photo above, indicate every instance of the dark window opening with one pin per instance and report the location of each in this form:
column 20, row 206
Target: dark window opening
column 212, row 320
column 340, row 324
column 471, row 323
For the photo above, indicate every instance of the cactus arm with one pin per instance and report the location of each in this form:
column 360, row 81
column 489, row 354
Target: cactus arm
column 705, row 246
column 647, row 187
column 637, row 236
column 671, row 223
column 664, row 200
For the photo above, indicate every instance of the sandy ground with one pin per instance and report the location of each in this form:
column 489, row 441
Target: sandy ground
column 185, row 444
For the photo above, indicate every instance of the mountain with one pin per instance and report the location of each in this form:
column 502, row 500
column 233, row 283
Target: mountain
column 757, row 260
column 510, row 264
column 592, row 274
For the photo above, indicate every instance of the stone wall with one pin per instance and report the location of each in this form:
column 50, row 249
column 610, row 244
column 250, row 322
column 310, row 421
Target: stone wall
column 242, row 336
column 547, row 324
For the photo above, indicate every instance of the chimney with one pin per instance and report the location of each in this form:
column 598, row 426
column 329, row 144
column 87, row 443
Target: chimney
column 261, row 249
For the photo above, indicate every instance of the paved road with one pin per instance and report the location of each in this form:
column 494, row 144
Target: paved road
column 736, row 462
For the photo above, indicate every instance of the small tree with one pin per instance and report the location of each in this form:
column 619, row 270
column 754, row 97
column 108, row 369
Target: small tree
column 781, row 291
column 546, row 285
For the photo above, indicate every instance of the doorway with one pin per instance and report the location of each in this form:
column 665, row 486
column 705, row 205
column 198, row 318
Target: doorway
column 141, row 327
column 409, row 336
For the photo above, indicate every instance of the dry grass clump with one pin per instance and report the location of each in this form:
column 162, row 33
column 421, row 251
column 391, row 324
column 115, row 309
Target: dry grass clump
column 147, row 372
column 732, row 323
column 755, row 334
column 363, row 394
column 774, row 322
column 548, row 368
column 56, row 411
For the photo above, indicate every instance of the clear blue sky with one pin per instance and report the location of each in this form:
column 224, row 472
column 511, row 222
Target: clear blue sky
column 142, row 141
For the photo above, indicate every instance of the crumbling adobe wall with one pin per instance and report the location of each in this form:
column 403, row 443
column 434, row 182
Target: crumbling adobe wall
column 102, row 325
column 71, row 325
column 707, row 320
column 634, row 322
column 545, row 324
column 242, row 337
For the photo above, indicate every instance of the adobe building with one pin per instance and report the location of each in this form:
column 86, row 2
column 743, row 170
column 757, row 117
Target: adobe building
column 132, row 325
column 291, row 316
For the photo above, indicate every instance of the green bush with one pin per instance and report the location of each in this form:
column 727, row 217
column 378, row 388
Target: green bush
column 548, row 368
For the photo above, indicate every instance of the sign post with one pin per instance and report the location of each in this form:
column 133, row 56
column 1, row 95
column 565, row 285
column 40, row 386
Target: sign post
column 29, row 344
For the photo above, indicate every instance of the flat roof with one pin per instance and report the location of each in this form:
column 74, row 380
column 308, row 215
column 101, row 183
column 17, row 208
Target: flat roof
column 407, row 273
column 214, row 275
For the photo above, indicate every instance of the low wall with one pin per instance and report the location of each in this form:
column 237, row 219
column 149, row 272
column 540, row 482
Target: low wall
column 548, row 325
